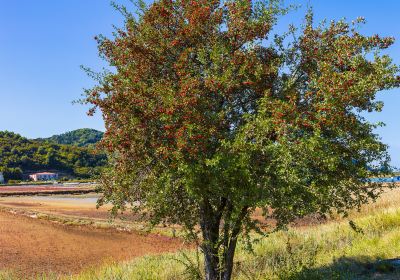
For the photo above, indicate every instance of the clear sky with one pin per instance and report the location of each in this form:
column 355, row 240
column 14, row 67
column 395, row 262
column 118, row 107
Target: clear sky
column 44, row 42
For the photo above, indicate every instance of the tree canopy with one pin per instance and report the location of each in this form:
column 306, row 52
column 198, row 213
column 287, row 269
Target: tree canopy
column 210, row 115
column 80, row 137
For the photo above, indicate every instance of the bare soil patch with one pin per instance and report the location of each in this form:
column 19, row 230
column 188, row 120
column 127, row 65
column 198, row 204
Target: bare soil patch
column 83, row 206
column 21, row 204
column 44, row 189
column 31, row 246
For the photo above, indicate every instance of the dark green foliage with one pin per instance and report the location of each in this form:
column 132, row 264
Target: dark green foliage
column 80, row 137
column 19, row 155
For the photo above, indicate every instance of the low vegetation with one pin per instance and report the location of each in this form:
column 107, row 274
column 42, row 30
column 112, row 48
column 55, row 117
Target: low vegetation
column 328, row 252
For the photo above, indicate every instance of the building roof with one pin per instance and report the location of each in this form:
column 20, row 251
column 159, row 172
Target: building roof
column 44, row 173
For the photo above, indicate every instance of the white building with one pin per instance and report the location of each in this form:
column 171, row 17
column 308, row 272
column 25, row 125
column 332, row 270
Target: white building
column 44, row 176
column 1, row 178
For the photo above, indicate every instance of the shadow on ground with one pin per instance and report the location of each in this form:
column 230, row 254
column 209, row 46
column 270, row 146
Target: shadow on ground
column 349, row 269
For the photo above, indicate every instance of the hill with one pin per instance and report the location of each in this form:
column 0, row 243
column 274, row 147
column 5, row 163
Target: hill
column 20, row 156
column 81, row 137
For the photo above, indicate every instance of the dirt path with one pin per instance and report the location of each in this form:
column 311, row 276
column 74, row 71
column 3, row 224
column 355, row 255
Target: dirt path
column 29, row 246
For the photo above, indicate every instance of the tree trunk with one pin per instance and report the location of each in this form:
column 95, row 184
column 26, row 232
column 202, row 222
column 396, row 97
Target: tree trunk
column 209, row 223
column 211, row 263
column 230, row 246
column 228, row 262
column 218, row 267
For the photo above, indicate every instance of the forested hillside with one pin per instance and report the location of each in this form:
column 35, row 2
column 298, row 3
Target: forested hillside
column 19, row 156
column 80, row 137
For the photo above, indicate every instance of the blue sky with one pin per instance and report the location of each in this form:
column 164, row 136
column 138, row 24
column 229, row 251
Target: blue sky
column 44, row 42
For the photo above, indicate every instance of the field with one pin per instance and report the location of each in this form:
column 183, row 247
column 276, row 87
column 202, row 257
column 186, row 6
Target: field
column 33, row 247
column 44, row 236
column 45, row 189
column 82, row 206
column 64, row 234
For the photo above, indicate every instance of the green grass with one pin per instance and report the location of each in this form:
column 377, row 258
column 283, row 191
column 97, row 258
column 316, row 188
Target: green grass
column 329, row 251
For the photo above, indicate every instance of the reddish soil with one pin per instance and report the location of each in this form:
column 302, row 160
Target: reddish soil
column 30, row 246
column 73, row 206
column 310, row 220
column 83, row 206
column 43, row 189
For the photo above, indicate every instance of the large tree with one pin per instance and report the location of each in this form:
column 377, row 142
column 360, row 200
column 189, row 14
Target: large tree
column 209, row 116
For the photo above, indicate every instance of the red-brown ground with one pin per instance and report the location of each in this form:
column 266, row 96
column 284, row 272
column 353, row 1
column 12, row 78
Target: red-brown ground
column 83, row 206
column 32, row 246
column 44, row 189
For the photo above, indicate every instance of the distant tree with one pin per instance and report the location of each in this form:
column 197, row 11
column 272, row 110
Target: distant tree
column 209, row 116
column 13, row 173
